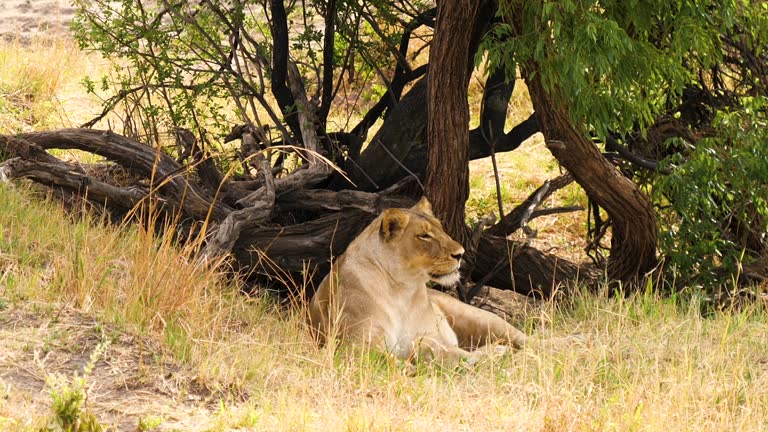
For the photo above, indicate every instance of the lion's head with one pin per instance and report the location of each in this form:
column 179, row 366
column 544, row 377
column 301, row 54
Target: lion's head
column 417, row 238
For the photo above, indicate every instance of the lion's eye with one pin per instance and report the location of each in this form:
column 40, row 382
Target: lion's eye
column 425, row 237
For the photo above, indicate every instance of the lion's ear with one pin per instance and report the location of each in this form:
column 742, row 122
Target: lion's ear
column 423, row 206
column 393, row 222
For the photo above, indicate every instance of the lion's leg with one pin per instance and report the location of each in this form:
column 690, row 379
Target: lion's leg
column 475, row 327
column 448, row 356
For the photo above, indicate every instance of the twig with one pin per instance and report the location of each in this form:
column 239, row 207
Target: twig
column 492, row 146
column 627, row 155
column 537, row 198
column 411, row 173
column 512, row 221
column 556, row 210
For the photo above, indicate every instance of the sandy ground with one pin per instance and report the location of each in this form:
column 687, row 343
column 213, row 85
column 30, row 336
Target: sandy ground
column 23, row 19
column 132, row 379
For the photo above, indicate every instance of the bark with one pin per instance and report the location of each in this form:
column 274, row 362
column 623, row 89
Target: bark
column 447, row 184
column 170, row 178
column 633, row 244
column 401, row 137
column 505, row 142
column 209, row 174
column 298, row 254
column 307, row 114
column 388, row 100
column 328, row 63
column 493, row 110
column 279, row 77
column 319, row 200
column 526, row 270
column 258, row 205
column 402, row 76
column 223, row 236
column 18, row 147
column 60, row 175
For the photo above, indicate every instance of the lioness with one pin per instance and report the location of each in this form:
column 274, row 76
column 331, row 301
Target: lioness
column 377, row 292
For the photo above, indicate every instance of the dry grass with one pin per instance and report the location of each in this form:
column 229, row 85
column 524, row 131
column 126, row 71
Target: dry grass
column 39, row 84
column 647, row 363
column 68, row 286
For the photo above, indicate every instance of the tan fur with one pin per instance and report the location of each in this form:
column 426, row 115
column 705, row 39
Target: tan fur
column 377, row 292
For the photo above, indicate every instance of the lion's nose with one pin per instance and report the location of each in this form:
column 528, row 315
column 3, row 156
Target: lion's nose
column 457, row 256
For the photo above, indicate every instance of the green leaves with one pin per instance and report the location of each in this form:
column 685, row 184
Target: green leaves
column 170, row 58
column 616, row 64
column 717, row 200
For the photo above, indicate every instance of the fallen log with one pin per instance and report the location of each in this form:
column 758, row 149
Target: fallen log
column 164, row 172
column 59, row 175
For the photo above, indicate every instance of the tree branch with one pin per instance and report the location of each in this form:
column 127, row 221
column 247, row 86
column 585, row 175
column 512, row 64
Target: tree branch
column 612, row 145
column 328, row 63
column 479, row 149
column 62, row 175
column 161, row 169
column 280, row 66
column 403, row 75
column 512, row 221
column 223, row 237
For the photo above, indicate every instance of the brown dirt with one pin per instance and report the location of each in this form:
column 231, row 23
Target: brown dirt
column 134, row 379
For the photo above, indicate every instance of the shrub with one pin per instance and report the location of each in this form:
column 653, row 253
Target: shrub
column 715, row 202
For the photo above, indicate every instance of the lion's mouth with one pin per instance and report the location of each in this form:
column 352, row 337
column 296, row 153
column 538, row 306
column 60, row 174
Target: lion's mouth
column 446, row 279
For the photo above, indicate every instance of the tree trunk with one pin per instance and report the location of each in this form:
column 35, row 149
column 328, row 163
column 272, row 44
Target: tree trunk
column 634, row 235
column 399, row 148
column 518, row 267
column 402, row 133
column 448, row 114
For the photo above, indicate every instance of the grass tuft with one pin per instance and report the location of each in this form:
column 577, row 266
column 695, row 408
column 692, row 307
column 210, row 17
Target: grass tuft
column 37, row 83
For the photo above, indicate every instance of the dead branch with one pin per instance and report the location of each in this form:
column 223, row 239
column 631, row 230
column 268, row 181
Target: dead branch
column 12, row 146
column 164, row 173
column 223, row 237
column 325, row 200
column 62, row 175
column 514, row 219
column 307, row 113
column 302, row 249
